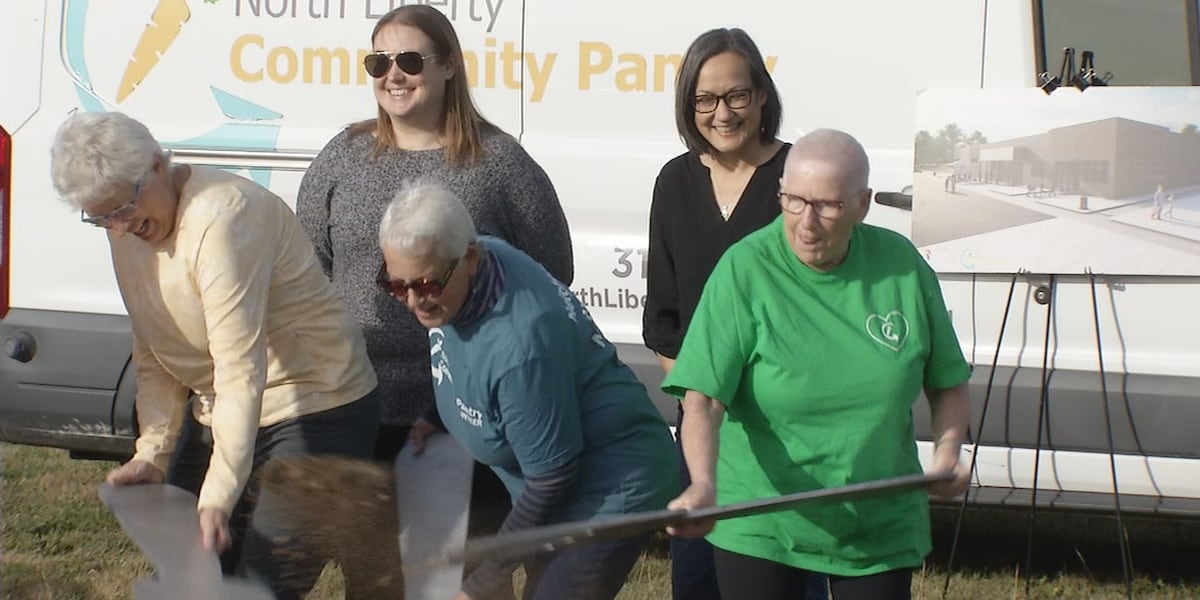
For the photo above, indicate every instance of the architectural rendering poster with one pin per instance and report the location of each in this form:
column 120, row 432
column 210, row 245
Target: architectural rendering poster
column 1107, row 179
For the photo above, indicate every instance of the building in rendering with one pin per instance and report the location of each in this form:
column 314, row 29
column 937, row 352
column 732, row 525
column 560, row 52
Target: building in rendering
column 1109, row 158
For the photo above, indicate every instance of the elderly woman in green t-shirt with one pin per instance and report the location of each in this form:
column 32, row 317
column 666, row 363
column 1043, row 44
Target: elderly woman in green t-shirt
column 813, row 338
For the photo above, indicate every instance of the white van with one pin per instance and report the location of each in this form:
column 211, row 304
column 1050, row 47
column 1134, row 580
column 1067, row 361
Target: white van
column 258, row 87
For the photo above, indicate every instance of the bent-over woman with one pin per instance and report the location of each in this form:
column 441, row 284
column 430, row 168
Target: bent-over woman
column 529, row 385
column 227, row 303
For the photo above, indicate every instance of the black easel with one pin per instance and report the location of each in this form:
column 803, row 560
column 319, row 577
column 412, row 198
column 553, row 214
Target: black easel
column 1126, row 558
column 1045, row 295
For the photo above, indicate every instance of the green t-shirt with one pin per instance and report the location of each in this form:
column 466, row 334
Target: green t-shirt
column 818, row 373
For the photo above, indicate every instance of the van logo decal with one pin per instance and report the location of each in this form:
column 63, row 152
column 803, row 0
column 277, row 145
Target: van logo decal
column 890, row 330
column 165, row 24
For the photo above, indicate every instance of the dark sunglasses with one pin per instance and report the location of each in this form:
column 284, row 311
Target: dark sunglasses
column 377, row 64
column 424, row 287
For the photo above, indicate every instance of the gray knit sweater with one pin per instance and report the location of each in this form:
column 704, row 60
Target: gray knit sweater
column 341, row 200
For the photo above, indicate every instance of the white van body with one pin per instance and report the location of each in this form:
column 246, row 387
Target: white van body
column 259, row 86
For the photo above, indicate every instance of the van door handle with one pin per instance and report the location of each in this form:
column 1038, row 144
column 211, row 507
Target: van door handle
column 896, row 199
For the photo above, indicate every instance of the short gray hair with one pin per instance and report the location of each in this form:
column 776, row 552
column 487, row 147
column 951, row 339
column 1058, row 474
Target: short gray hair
column 94, row 153
column 835, row 146
column 424, row 212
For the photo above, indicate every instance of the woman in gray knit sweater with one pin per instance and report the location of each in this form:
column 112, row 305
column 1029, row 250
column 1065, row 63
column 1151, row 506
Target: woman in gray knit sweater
column 427, row 127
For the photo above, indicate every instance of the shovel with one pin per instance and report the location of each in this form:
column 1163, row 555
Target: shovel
column 521, row 544
column 161, row 519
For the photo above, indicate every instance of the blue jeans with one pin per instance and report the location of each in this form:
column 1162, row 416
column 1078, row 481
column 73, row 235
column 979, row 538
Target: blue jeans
column 262, row 547
column 693, row 574
column 593, row 571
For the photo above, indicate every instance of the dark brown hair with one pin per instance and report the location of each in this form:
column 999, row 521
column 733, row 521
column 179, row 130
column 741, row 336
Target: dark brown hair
column 461, row 124
column 708, row 45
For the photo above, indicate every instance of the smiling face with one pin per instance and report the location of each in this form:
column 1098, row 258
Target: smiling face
column 146, row 210
column 416, row 100
column 822, row 242
column 432, row 310
column 729, row 130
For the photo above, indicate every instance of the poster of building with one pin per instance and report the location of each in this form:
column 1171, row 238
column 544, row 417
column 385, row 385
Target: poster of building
column 1106, row 180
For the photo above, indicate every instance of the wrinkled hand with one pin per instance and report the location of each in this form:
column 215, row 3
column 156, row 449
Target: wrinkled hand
column 946, row 459
column 697, row 495
column 419, row 432
column 135, row 472
column 214, row 529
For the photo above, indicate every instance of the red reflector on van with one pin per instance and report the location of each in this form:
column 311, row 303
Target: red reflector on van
column 5, row 211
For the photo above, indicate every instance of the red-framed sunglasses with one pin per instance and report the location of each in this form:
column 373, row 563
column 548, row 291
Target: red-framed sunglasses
column 424, row 287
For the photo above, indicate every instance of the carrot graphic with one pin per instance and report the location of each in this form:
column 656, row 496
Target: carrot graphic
column 164, row 26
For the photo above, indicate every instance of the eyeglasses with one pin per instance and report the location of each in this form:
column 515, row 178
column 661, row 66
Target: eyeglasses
column 824, row 208
column 424, row 287
column 120, row 214
column 706, row 103
column 378, row 64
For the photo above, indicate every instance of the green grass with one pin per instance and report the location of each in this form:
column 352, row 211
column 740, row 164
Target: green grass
column 60, row 542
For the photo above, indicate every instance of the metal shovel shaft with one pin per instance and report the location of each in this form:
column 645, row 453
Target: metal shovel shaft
column 553, row 537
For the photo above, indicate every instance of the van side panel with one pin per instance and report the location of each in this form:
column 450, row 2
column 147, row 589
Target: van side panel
column 59, row 376
column 604, row 123
column 19, row 77
column 258, row 88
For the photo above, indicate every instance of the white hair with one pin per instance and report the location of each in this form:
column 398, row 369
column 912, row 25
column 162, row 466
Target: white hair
column 837, row 146
column 95, row 153
column 424, row 213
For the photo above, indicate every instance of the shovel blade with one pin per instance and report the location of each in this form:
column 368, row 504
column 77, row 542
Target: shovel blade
column 433, row 496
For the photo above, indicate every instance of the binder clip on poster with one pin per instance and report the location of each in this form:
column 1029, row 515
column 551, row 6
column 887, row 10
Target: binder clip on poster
column 1082, row 79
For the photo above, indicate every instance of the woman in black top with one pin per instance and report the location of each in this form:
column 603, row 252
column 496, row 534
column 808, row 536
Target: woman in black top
column 727, row 111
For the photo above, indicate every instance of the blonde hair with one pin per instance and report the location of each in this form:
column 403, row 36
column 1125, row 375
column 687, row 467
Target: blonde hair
column 461, row 123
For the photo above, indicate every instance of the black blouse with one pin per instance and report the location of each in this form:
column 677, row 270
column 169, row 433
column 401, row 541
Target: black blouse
column 688, row 237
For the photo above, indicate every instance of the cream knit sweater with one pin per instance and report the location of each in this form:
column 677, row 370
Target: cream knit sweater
column 234, row 307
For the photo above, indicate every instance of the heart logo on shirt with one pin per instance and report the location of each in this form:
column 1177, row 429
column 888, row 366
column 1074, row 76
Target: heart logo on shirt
column 891, row 329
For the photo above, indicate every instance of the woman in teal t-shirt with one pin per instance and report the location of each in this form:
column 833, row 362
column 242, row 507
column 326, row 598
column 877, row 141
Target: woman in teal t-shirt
column 531, row 388
column 812, row 340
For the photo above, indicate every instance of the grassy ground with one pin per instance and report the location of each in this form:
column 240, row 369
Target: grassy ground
column 59, row 542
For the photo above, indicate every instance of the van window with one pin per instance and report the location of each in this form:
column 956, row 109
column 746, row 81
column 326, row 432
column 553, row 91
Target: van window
column 1148, row 42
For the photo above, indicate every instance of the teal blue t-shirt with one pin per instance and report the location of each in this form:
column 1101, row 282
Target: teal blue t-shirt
column 818, row 372
column 533, row 384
